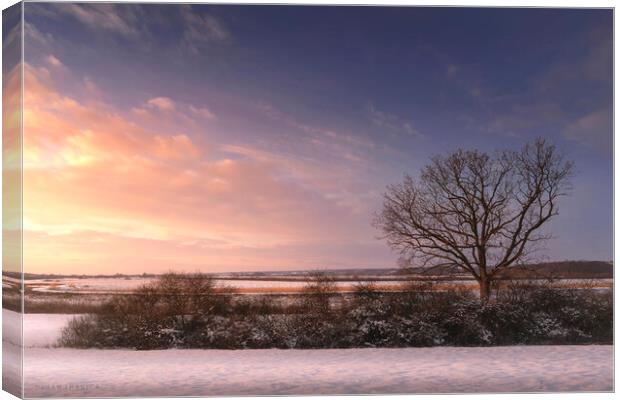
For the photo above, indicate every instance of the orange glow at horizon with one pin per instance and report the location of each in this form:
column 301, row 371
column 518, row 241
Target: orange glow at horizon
column 104, row 193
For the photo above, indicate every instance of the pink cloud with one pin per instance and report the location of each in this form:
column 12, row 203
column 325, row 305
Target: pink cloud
column 53, row 61
column 203, row 112
column 93, row 171
column 162, row 103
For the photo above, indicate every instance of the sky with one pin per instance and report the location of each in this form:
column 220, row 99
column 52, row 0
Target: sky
column 235, row 138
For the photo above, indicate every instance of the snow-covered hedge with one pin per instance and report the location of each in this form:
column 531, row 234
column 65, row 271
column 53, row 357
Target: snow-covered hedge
column 426, row 318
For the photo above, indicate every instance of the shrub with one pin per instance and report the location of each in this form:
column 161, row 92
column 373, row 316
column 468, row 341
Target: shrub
column 157, row 315
column 180, row 312
column 319, row 293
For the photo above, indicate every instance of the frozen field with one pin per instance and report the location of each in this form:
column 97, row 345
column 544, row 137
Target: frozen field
column 94, row 373
column 120, row 285
column 127, row 284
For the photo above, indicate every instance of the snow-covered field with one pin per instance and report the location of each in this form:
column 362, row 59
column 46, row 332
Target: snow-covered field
column 90, row 373
column 95, row 373
column 116, row 285
column 127, row 284
column 102, row 285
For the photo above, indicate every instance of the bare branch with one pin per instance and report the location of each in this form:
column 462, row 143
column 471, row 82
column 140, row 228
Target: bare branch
column 479, row 212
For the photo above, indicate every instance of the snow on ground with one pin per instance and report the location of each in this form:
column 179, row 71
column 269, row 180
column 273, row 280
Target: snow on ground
column 40, row 330
column 96, row 373
column 44, row 329
column 11, row 326
column 87, row 285
column 127, row 284
column 62, row 372
column 120, row 285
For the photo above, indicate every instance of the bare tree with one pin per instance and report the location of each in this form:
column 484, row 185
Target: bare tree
column 476, row 212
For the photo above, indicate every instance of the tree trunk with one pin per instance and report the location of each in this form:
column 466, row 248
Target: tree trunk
column 485, row 288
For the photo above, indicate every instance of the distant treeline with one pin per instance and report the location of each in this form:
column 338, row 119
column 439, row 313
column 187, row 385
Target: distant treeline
column 564, row 269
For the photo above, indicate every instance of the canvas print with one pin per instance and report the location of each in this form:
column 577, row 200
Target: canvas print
column 221, row 200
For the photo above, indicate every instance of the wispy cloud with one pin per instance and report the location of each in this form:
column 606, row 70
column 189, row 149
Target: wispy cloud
column 201, row 29
column 594, row 129
column 11, row 40
column 104, row 16
column 137, row 22
column 391, row 122
column 161, row 107
column 32, row 33
column 169, row 188
column 275, row 114
column 53, row 61
column 518, row 119
column 548, row 98
column 203, row 112
column 595, row 66
column 162, row 103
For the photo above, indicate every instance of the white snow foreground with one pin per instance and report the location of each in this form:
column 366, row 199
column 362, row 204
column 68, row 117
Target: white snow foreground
column 61, row 372
column 94, row 373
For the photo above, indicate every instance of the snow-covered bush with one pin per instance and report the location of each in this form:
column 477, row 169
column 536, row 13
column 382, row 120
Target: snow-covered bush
column 318, row 318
